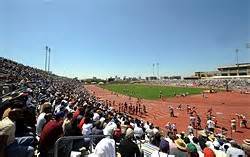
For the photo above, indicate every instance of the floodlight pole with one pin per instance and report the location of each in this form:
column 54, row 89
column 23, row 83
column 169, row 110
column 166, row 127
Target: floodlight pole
column 153, row 69
column 237, row 60
column 248, row 45
column 49, row 61
column 46, row 53
column 158, row 70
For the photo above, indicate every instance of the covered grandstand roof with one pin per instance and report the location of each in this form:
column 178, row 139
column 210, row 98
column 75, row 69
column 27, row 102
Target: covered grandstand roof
column 235, row 65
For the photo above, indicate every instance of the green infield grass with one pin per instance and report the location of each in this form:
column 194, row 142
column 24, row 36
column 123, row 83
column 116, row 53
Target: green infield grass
column 151, row 92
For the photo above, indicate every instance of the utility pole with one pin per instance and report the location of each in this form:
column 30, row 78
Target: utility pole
column 248, row 45
column 153, row 69
column 46, row 53
column 49, row 61
column 237, row 60
column 157, row 64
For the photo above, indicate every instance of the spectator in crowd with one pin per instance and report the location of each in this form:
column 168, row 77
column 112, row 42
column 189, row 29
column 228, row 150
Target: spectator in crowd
column 106, row 147
column 246, row 146
column 217, row 150
column 76, row 112
column 117, row 135
column 208, row 150
column 127, row 147
column 192, row 150
column 234, row 150
column 180, row 149
column 149, row 132
column 10, row 144
column 67, row 124
column 156, row 139
column 87, row 126
column 163, row 149
column 97, row 130
column 196, row 144
column 50, row 133
column 41, row 120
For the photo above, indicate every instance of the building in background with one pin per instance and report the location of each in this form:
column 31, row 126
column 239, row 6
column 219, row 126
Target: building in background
column 206, row 74
column 164, row 77
column 241, row 69
column 151, row 78
column 175, row 77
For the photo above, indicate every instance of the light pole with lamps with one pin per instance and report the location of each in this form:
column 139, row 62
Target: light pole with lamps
column 46, row 54
column 248, row 45
column 49, row 61
column 237, row 60
column 157, row 64
column 153, row 69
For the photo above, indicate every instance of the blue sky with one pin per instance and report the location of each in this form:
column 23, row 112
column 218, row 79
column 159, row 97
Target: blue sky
column 125, row 37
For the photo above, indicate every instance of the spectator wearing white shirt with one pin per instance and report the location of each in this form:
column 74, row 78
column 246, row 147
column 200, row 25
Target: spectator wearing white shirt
column 150, row 132
column 217, row 150
column 110, row 127
column 234, row 151
column 96, row 116
column 105, row 148
column 138, row 131
column 41, row 121
column 87, row 126
column 155, row 130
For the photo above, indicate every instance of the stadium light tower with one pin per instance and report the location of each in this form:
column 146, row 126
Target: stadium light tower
column 248, row 45
column 157, row 64
column 49, row 61
column 237, row 60
column 153, row 69
column 46, row 54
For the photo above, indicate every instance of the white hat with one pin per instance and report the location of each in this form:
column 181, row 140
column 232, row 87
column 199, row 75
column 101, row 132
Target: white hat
column 129, row 133
column 96, row 117
column 155, row 130
column 216, row 144
column 209, row 144
column 108, row 130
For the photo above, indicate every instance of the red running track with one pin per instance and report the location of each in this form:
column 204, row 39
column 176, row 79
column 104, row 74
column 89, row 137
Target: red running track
column 224, row 104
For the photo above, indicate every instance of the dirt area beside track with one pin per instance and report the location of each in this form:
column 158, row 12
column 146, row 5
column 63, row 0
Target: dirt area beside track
column 224, row 104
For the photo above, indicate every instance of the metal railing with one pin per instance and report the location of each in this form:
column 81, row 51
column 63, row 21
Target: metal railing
column 71, row 138
column 15, row 91
column 10, row 91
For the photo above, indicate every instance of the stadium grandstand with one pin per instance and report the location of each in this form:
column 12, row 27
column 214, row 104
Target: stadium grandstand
column 46, row 115
column 124, row 78
column 242, row 69
column 236, row 71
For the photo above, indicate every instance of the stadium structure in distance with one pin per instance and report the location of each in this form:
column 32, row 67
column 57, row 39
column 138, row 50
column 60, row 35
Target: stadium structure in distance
column 241, row 70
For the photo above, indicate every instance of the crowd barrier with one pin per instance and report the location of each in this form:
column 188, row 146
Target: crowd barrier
column 71, row 138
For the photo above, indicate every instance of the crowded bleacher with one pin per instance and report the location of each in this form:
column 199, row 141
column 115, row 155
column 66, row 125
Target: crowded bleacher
column 39, row 108
column 233, row 84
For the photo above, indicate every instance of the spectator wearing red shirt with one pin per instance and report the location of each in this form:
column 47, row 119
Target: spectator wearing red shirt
column 51, row 132
column 208, row 152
